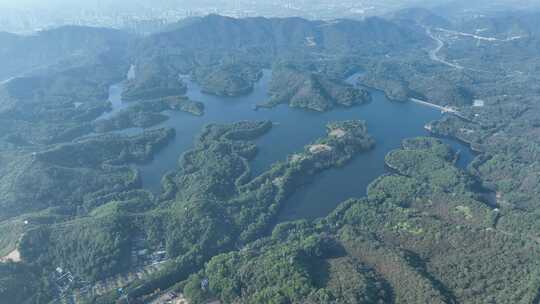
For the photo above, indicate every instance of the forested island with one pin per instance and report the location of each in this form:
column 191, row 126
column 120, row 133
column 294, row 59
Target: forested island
column 228, row 79
column 304, row 89
column 78, row 223
column 148, row 113
column 153, row 79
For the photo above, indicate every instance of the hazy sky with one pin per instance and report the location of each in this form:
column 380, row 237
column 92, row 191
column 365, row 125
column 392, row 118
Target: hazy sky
column 33, row 4
column 38, row 4
column 98, row 3
column 29, row 16
column 49, row 4
column 66, row 8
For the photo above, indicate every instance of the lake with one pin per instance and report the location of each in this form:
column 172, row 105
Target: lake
column 388, row 122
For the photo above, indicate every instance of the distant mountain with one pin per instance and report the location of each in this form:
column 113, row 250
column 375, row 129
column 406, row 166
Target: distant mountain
column 280, row 36
column 463, row 9
column 20, row 55
column 421, row 16
column 504, row 25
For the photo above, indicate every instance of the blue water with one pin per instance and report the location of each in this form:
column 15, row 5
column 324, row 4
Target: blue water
column 115, row 98
column 388, row 122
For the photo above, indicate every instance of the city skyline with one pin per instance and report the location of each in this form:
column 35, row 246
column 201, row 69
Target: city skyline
column 28, row 16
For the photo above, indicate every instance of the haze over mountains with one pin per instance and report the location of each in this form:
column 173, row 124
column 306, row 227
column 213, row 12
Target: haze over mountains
column 144, row 16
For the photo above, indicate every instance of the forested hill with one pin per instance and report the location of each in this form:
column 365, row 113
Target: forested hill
column 505, row 25
column 420, row 16
column 262, row 36
column 212, row 36
column 24, row 54
column 278, row 35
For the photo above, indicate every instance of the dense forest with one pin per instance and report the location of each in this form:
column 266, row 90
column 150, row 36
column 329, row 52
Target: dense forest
column 409, row 241
column 77, row 223
column 312, row 91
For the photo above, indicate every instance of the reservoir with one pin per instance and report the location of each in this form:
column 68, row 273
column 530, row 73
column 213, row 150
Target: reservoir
column 388, row 122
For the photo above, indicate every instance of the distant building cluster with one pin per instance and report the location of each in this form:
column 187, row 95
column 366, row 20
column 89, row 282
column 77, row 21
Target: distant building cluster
column 147, row 19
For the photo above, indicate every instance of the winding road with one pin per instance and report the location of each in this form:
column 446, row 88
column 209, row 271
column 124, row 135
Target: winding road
column 483, row 38
column 434, row 54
